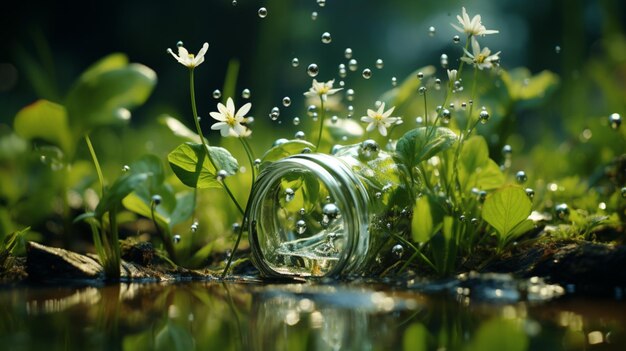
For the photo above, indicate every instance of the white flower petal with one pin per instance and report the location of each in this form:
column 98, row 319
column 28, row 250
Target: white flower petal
column 382, row 130
column 218, row 116
column 230, row 106
column 370, row 127
column 243, row 110
column 222, row 109
column 219, row 125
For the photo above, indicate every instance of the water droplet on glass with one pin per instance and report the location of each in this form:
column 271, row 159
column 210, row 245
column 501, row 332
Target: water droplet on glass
column 353, row 65
column 326, row 38
column 456, row 39
column 312, row 70
column 348, row 53
column 557, row 49
column 176, row 239
column 217, row 94
column 615, row 120
column 221, row 175
column 245, row 93
column 286, row 101
column 322, row 3
column 379, row 63
column 236, row 227
column 367, row 73
column 295, row 62
column 330, row 212
column 350, row 110
column 262, row 12
column 350, row 94
column 431, row 31
column 369, row 149
column 296, row 121
column 397, row 250
column 521, row 177
column 299, row 135
column 125, row 168
column 156, row 199
column 300, row 226
column 474, row 221
column 530, row 192
column 394, row 81
column 289, row 194
column 561, row 211
column 314, row 15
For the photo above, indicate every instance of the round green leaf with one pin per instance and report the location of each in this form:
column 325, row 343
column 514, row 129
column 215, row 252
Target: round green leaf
column 506, row 208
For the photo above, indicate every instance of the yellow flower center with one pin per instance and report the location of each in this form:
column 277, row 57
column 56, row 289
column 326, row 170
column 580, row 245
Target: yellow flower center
column 230, row 120
column 480, row 58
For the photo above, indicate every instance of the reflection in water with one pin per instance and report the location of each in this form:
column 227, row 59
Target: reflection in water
column 213, row 316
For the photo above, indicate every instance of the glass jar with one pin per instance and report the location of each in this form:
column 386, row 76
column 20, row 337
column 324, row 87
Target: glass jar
column 316, row 215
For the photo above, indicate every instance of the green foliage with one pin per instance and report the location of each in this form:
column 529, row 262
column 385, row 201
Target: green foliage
column 416, row 338
column 507, row 210
column 523, row 87
column 422, row 143
column 9, row 244
column 476, row 169
column 427, row 219
column 191, row 165
column 45, row 120
column 500, row 334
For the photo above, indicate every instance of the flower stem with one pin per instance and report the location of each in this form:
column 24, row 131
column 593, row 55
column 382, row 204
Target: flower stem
column 323, row 115
column 467, row 41
column 250, row 155
column 203, row 140
column 92, row 151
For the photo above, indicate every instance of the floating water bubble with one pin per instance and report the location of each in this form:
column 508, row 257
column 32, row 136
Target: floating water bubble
column 369, row 149
column 194, row 227
column 176, row 239
column 217, row 94
column 483, row 116
column 334, row 119
column 179, row 44
column 322, row 3
column 615, row 120
column 275, row 113
column 299, row 135
column 557, row 49
column 561, row 211
column 420, row 75
column 482, row 195
column 623, row 191
column 421, row 90
column 326, row 38
column 463, row 104
column 507, row 150
column 367, row 73
column 380, row 64
column 446, row 115
column 125, row 168
column 236, row 227
column 330, row 212
column 431, row 31
column 419, row 119
column 397, row 250
column 314, row 15
column 257, row 162
column 289, row 194
column 296, row 121
column 350, row 94
column 300, row 226
column 245, row 93
column 312, row 70
column 234, row 2
column 474, row 221
column 295, row 62
column 456, row 39
column 437, row 83
column 221, row 175
column 156, row 199
column 521, row 177
column 262, row 12
column 249, row 120
column 348, row 53
column 353, row 65
column 350, row 110
column 312, row 109
column 286, row 101
column 394, row 81
column 444, row 60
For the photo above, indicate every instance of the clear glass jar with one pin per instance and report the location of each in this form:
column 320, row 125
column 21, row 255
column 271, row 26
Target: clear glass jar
column 316, row 215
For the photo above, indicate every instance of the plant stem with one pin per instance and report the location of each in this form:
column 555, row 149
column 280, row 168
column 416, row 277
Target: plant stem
column 203, row 140
column 322, row 117
column 232, row 253
column 250, row 155
column 113, row 270
column 167, row 242
column 92, row 151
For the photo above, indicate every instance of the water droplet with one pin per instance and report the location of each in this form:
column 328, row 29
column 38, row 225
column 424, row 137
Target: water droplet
column 236, row 227
column 176, row 239
column 420, row 75
column 299, row 135
column 262, row 12
column 431, row 31
column 615, row 120
column 348, row 53
column 330, row 212
column 530, row 192
column 561, row 211
column 275, row 113
column 221, row 175
column 379, row 63
column 444, row 60
column 326, row 38
column 521, row 177
column 421, row 90
column 462, row 218
column 350, row 110
column 484, row 116
column 367, row 73
column 257, row 162
column 474, row 221
column 279, row 142
column 286, row 101
column 350, row 94
column 446, row 115
column 456, row 39
column 557, row 49
column 295, row 62
column 312, row 70
column 311, row 110
column 194, row 227
column 314, row 15
column 179, row 44
column 300, row 226
column 234, row 2
column 463, row 105
column 378, row 194
column 482, row 195
column 302, row 211
column 156, row 199
column 306, row 150
column 394, row 81
column 322, row 3
column 507, row 150
column 353, row 65
column 397, row 250
column 125, row 168
column 296, row 121
column 289, row 194
column 245, row 93
column 437, row 83
column 623, row 191
column 369, row 149
column 217, row 94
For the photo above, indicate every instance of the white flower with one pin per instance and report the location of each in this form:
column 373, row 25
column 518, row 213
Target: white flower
column 187, row 59
column 481, row 58
column 322, row 89
column 472, row 27
column 230, row 122
column 452, row 75
column 380, row 119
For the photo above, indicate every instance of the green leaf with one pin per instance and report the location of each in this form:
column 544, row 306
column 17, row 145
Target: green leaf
column 422, row 143
column 104, row 93
column 506, row 208
column 500, row 334
column 416, row 338
column 522, row 86
column 179, row 129
column 427, row 219
column 45, row 120
column 191, row 165
column 291, row 147
column 119, row 190
column 476, row 169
